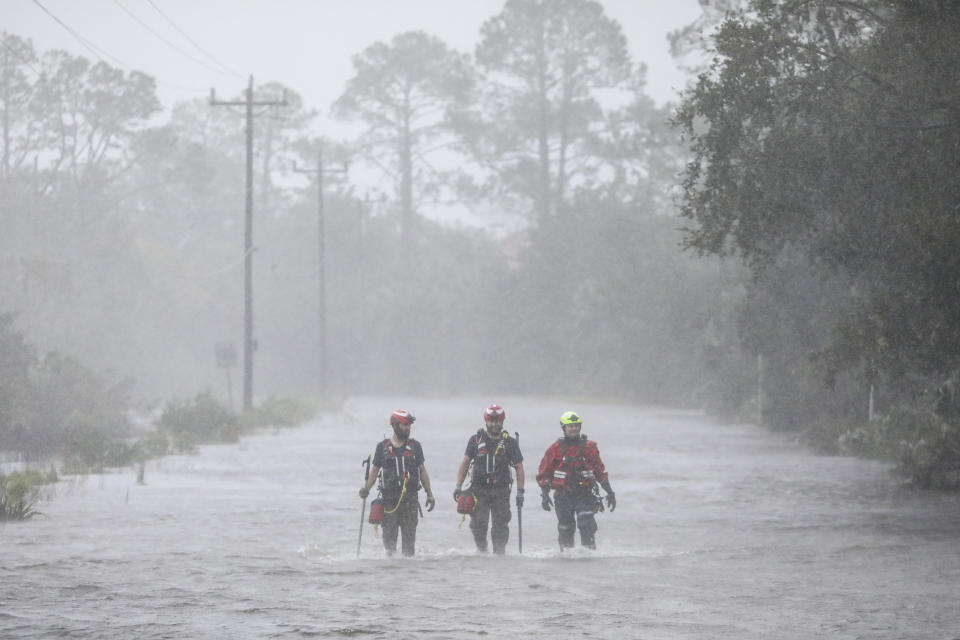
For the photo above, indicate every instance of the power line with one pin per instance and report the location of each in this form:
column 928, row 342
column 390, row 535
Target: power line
column 17, row 55
column 193, row 42
column 97, row 51
column 165, row 41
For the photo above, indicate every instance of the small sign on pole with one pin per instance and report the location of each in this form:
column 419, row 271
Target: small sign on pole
column 226, row 356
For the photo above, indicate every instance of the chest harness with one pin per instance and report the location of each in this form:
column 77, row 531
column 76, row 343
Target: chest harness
column 490, row 467
column 573, row 472
column 399, row 468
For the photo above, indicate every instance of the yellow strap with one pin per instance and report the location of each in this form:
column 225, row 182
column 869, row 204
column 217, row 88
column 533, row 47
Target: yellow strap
column 402, row 493
column 376, row 533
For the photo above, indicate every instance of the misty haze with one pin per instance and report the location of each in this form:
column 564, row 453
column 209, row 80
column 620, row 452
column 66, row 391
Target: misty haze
column 698, row 264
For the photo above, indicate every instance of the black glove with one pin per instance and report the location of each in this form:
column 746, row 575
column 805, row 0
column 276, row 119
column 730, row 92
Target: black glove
column 519, row 498
column 545, row 500
column 457, row 492
column 364, row 492
column 611, row 501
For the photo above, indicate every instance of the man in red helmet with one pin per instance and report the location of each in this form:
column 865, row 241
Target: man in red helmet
column 399, row 463
column 572, row 467
column 493, row 453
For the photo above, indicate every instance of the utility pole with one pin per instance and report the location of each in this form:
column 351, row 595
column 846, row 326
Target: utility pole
column 760, row 389
column 6, row 117
column 248, row 342
column 319, row 171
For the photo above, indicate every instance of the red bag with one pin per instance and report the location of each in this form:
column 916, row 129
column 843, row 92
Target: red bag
column 466, row 503
column 376, row 511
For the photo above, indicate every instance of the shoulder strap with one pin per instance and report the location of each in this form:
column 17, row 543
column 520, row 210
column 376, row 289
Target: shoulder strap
column 388, row 447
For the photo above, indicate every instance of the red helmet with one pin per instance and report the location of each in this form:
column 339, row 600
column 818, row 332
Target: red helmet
column 494, row 413
column 401, row 416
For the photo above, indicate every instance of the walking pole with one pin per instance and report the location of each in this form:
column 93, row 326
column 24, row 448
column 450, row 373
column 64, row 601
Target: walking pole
column 516, row 434
column 366, row 471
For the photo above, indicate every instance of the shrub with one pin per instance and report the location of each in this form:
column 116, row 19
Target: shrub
column 18, row 495
column 153, row 444
column 200, row 420
column 924, row 444
column 278, row 412
column 928, row 447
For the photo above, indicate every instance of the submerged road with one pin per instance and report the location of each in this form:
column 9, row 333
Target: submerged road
column 721, row 531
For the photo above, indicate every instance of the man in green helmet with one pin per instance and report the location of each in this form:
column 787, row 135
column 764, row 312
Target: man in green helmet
column 572, row 467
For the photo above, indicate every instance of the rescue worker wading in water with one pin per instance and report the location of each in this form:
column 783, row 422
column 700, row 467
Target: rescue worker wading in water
column 493, row 453
column 572, row 468
column 398, row 461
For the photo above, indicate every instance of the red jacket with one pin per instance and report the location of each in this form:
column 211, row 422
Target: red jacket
column 581, row 466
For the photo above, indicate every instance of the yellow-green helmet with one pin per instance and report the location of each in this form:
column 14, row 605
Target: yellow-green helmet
column 570, row 417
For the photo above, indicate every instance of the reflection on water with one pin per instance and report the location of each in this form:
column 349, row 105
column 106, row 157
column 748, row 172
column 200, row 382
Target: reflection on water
column 720, row 532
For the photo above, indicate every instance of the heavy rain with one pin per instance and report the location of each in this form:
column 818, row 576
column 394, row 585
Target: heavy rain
column 448, row 319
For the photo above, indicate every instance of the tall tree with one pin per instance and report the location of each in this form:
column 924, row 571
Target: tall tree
column 18, row 75
column 91, row 114
column 832, row 127
column 404, row 92
column 544, row 61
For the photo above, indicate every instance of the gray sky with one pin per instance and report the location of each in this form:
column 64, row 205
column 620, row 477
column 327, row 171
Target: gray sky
column 304, row 44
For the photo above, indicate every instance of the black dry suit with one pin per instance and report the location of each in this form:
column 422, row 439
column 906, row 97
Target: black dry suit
column 399, row 483
column 490, row 482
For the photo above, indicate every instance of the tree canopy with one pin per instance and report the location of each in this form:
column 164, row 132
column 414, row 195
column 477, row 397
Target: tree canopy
column 830, row 130
column 404, row 92
column 543, row 63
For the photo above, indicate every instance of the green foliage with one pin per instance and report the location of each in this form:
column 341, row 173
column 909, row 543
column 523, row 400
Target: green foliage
column 278, row 412
column 926, row 447
column 802, row 112
column 186, row 423
column 55, row 406
column 19, row 494
column 87, row 418
column 154, row 444
column 825, row 156
column 202, row 419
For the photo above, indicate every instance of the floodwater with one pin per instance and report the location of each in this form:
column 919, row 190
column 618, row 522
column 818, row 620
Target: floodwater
column 721, row 531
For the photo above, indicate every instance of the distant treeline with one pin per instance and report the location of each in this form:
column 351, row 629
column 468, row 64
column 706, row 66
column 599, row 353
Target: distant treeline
column 818, row 160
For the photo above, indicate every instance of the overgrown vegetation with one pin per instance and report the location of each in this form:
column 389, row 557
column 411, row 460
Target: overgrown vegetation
column 20, row 492
column 186, row 423
column 55, row 411
column 825, row 137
